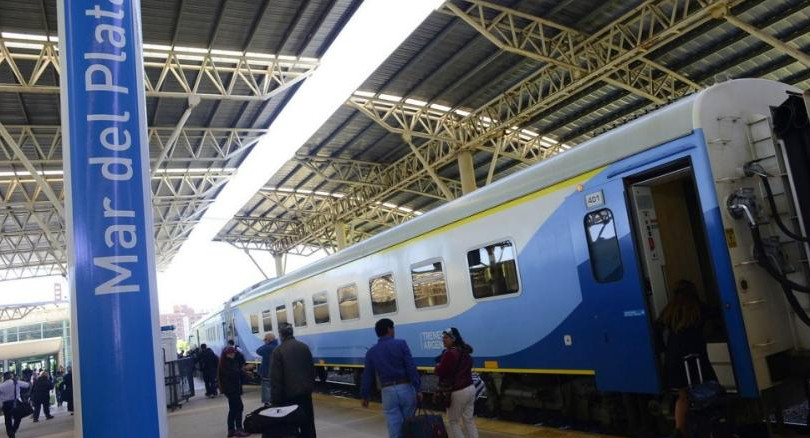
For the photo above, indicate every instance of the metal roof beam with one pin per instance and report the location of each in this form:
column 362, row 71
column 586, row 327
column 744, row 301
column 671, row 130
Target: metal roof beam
column 169, row 72
column 622, row 43
column 566, row 48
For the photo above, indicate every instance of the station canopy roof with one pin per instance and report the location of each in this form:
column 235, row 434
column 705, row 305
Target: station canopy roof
column 509, row 82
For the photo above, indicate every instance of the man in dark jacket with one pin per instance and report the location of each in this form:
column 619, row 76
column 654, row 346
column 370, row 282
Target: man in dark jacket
column 265, row 352
column 41, row 395
column 292, row 377
column 209, row 362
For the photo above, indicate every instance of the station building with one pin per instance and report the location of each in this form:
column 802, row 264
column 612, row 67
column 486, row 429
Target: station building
column 39, row 340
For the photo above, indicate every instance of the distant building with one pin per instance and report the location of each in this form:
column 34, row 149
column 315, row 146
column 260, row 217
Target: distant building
column 182, row 318
column 35, row 336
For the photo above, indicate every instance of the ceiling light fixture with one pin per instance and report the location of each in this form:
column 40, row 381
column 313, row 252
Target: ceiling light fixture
column 375, row 30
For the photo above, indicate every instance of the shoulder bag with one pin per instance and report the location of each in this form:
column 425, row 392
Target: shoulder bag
column 20, row 409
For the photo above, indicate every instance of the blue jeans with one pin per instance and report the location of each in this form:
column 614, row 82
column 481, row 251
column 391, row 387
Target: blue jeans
column 399, row 403
column 265, row 390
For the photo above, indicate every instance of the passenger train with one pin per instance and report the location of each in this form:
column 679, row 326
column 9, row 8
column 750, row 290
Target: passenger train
column 556, row 274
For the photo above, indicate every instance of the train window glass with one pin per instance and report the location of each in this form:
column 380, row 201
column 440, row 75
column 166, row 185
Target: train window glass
column 267, row 320
column 347, row 302
column 281, row 315
column 493, row 270
column 429, row 288
column 254, row 324
column 299, row 313
column 383, row 294
column 603, row 246
column 320, row 307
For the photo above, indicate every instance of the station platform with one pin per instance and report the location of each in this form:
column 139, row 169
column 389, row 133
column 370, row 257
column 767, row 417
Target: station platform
column 335, row 417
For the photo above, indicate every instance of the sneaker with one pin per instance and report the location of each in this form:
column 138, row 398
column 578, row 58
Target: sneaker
column 241, row 433
column 36, row 420
column 49, row 417
column 231, row 433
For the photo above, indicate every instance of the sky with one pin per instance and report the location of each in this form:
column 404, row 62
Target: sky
column 204, row 281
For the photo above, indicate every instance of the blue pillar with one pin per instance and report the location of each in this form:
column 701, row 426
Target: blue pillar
column 118, row 374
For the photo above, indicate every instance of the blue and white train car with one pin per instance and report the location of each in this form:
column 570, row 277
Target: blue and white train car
column 562, row 268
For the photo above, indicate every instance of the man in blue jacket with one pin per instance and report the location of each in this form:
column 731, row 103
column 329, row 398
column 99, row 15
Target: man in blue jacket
column 390, row 359
column 266, row 351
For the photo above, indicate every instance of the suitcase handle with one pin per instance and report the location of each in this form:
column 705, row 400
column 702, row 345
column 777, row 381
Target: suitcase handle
column 686, row 360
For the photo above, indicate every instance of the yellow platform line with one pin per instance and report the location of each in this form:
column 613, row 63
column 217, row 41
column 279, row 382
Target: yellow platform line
column 484, row 424
column 486, row 370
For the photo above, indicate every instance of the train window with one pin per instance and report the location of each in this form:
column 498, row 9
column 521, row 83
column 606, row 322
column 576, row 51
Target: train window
column 254, row 323
column 267, row 320
column 299, row 313
column 281, row 315
column 603, row 246
column 493, row 270
column 347, row 302
column 429, row 288
column 320, row 307
column 383, row 294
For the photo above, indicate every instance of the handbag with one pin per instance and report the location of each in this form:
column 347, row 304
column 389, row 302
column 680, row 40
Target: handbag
column 20, row 409
column 444, row 389
column 424, row 425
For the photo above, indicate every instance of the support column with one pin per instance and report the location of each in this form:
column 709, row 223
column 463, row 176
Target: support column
column 279, row 259
column 340, row 235
column 109, row 225
column 467, row 171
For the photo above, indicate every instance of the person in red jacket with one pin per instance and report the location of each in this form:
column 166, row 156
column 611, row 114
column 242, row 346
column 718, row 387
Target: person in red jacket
column 455, row 368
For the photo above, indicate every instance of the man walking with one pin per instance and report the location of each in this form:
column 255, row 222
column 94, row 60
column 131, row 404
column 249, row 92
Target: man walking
column 209, row 362
column 390, row 359
column 9, row 392
column 41, row 396
column 292, row 377
column 266, row 351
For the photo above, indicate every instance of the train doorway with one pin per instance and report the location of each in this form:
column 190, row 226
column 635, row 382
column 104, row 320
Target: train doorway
column 672, row 246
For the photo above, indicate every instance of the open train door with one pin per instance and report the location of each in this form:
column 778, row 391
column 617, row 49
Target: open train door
column 622, row 334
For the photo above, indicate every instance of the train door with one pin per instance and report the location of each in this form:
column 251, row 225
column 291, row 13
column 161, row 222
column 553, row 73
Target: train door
column 623, row 339
column 672, row 248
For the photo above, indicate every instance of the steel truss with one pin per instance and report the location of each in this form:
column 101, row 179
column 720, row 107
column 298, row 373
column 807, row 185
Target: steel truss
column 286, row 216
column 32, row 197
column 17, row 312
column 169, row 72
column 573, row 62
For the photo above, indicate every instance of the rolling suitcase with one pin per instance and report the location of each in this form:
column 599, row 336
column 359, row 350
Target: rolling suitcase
column 708, row 405
column 424, row 425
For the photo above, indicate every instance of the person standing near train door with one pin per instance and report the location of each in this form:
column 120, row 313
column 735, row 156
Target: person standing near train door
column 390, row 360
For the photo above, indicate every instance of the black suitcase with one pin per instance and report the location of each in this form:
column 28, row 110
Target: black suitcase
column 708, row 415
column 275, row 421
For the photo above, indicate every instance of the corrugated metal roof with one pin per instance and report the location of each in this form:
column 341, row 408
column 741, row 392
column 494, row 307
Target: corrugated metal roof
column 279, row 27
column 447, row 62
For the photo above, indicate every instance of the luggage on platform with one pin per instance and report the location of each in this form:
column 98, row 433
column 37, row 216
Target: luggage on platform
column 275, row 421
column 708, row 404
column 424, row 425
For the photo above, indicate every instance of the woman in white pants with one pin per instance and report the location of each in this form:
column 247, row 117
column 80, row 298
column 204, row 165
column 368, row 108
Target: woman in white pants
column 455, row 369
